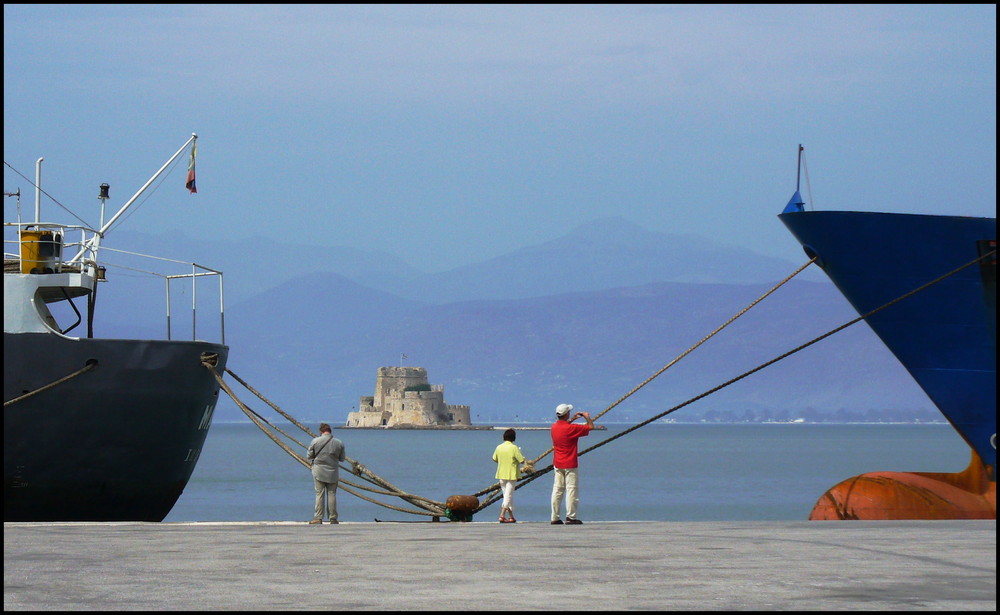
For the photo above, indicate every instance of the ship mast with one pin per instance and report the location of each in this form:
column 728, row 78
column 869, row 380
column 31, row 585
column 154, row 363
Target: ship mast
column 796, row 203
column 798, row 175
column 94, row 242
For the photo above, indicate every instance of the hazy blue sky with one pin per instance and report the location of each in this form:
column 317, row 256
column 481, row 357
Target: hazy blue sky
column 452, row 134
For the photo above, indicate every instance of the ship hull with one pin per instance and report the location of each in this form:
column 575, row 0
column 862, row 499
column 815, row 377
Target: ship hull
column 116, row 443
column 944, row 335
column 893, row 496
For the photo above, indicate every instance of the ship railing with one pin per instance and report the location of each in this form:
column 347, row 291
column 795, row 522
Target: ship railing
column 194, row 278
column 42, row 248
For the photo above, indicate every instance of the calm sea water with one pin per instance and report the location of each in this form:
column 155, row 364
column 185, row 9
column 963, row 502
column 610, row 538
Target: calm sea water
column 661, row 472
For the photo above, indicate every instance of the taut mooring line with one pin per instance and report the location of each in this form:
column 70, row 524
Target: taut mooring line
column 531, row 464
column 548, row 468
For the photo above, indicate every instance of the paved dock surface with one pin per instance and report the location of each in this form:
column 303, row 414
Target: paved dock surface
column 718, row 566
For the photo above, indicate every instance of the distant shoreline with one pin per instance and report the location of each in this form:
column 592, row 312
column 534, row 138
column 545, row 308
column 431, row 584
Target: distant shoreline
column 421, row 427
column 461, row 427
column 533, row 425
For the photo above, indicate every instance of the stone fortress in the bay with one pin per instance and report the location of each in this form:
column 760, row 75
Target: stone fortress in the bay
column 403, row 398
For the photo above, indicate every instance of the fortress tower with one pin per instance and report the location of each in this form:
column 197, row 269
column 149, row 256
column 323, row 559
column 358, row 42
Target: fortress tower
column 403, row 397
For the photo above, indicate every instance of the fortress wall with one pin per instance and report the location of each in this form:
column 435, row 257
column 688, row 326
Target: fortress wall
column 459, row 415
column 420, row 407
column 368, row 419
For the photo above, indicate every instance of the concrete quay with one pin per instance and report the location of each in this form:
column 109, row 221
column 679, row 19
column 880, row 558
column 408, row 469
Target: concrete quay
column 712, row 566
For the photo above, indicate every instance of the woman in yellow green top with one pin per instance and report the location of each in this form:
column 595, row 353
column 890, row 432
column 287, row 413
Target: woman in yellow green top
column 509, row 459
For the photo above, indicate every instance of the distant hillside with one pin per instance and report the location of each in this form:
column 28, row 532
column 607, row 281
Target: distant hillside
column 604, row 254
column 608, row 253
column 581, row 319
column 254, row 265
column 520, row 358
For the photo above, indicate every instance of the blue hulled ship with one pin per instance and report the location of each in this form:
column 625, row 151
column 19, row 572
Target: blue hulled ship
column 944, row 334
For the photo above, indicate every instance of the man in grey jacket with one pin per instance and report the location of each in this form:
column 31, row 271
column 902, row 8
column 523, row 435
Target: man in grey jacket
column 324, row 455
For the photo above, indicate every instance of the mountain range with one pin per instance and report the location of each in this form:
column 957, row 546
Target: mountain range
column 581, row 319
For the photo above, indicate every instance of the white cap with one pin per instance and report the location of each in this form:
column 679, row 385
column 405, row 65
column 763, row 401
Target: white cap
column 563, row 409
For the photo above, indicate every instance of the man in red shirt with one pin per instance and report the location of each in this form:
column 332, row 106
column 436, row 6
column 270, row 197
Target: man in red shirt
column 565, row 464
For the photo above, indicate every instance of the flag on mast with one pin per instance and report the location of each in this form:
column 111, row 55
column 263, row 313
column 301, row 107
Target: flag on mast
column 190, row 185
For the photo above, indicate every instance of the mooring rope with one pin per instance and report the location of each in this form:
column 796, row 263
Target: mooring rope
column 90, row 365
column 290, row 418
column 539, row 473
column 436, row 509
column 430, row 507
column 531, row 464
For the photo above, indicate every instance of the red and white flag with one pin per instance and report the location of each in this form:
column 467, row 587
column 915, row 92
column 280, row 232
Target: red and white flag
column 190, row 177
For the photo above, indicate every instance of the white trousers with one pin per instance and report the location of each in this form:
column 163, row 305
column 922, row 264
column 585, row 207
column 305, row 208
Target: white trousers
column 507, row 486
column 565, row 483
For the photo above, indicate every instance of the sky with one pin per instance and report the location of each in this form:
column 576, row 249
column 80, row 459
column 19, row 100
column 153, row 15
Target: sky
column 452, row 134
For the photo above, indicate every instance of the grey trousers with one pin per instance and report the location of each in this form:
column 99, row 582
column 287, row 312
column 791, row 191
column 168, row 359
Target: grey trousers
column 326, row 493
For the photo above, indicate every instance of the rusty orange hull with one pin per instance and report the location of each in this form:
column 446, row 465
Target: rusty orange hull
column 970, row 494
